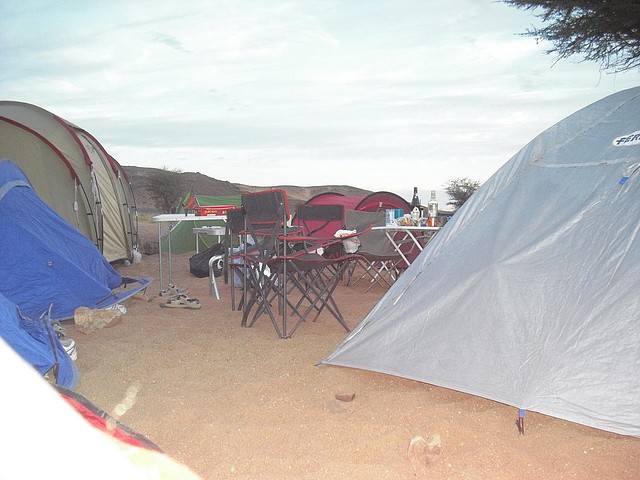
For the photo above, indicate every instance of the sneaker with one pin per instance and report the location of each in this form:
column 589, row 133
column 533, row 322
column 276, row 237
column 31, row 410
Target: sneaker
column 58, row 329
column 118, row 307
column 69, row 345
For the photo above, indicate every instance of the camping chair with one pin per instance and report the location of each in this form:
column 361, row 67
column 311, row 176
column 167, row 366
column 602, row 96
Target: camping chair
column 377, row 257
column 264, row 227
column 287, row 276
column 233, row 265
column 320, row 221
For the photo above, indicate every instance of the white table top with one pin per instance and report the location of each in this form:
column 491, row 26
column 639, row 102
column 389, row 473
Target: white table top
column 406, row 227
column 181, row 217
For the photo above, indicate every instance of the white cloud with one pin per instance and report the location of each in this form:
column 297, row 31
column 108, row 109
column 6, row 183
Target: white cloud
column 380, row 95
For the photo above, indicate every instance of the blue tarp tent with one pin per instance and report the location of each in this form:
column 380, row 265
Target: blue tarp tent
column 44, row 260
column 47, row 270
column 36, row 343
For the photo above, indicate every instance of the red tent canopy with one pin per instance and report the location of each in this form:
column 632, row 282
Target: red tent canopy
column 324, row 228
column 382, row 201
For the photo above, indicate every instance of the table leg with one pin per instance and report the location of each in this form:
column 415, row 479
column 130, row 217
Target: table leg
column 396, row 246
column 415, row 240
column 160, row 253
column 171, row 225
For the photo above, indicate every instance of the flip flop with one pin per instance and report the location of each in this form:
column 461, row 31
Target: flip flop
column 182, row 301
column 173, row 290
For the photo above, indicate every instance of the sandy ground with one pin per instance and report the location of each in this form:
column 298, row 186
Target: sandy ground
column 239, row 403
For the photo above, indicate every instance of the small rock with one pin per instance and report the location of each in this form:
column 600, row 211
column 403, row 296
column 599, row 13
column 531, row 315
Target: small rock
column 142, row 296
column 434, row 445
column 423, row 452
column 418, row 451
column 89, row 320
column 345, row 397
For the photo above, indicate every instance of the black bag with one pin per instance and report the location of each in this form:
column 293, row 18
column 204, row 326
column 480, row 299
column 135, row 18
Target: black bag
column 199, row 263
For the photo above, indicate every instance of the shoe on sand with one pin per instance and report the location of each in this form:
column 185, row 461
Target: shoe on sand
column 182, row 301
column 69, row 346
column 173, row 290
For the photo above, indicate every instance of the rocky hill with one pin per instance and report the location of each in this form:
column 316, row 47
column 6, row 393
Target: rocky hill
column 200, row 184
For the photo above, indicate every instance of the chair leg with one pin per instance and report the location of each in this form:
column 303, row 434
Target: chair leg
column 261, row 289
column 213, row 286
column 233, row 271
column 316, row 287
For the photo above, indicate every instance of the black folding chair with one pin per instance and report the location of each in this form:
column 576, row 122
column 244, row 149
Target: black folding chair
column 264, row 227
column 287, row 277
column 320, row 221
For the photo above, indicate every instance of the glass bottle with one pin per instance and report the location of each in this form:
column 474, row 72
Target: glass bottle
column 432, row 210
column 415, row 206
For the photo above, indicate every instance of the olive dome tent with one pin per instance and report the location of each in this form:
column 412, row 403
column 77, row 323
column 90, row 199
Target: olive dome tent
column 73, row 173
column 528, row 296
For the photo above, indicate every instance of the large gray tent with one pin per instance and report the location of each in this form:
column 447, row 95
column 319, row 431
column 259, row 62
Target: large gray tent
column 72, row 172
column 529, row 295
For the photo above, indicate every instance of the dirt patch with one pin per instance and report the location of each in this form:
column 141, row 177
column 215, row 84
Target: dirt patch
column 233, row 402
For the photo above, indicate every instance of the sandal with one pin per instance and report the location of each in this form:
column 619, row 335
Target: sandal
column 173, row 290
column 182, row 301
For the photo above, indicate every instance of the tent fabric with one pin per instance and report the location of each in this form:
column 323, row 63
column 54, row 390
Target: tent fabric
column 72, row 172
column 40, row 427
column 104, row 422
column 38, row 346
column 349, row 202
column 323, row 227
column 46, row 263
column 381, row 201
column 117, row 241
column 528, row 295
column 183, row 239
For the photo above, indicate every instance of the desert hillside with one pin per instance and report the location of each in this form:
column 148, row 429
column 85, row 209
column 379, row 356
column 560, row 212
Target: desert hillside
column 203, row 185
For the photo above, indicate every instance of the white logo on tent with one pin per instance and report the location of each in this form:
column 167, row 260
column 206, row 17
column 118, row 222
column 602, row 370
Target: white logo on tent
column 628, row 140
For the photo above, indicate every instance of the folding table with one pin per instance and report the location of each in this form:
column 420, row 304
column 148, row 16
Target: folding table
column 400, row 235
column 174, row 219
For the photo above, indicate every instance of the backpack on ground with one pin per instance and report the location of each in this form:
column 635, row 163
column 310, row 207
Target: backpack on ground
column 199, row 263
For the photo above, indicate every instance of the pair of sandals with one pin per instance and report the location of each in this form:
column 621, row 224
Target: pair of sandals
column 178, row 298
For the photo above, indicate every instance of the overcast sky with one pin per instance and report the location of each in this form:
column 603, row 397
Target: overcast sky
column 378, row 94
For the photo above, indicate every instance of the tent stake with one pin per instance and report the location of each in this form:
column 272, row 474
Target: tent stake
column 520, row 421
